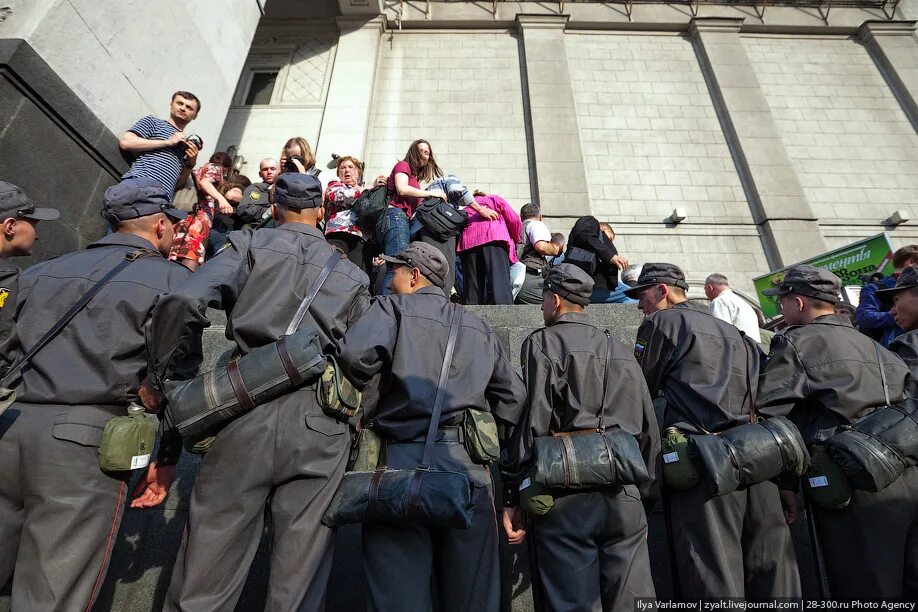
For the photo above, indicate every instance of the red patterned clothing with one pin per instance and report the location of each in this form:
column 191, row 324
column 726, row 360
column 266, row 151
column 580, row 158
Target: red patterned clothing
column 338, row 200
column 191, row 234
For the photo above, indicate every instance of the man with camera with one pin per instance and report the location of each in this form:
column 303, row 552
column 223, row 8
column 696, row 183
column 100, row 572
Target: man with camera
column 161, row 149
column 286, row 454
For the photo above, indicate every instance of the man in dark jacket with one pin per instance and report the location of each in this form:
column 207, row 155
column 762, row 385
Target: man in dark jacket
column 822, row 373
column 591, row 249
column 573, row 387
column 402, row 338
column 59, row 512
column 733, row 545
column 286, row 454
column 873, row 317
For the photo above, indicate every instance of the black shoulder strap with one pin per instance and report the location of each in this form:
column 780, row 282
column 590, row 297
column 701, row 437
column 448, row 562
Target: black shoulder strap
column 313, row 292
column 68, row 316
column 441, row 390
column 605, row 381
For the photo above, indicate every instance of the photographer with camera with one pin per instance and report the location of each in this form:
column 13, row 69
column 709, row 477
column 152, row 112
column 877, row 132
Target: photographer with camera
column 161, row 149
column 297, row 156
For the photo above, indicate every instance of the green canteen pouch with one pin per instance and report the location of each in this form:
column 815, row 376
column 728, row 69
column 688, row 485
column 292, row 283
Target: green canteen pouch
column 7, row 397
column 481, row 441
column 199, row 446
column 338, row 398
column 365, row 451
column 679, row 469
column 127, row 442
column 825, row 483
column 535, row 499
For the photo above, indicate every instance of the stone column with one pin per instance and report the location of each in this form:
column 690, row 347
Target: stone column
column 350, row 93
column 560, row 183
column 893, row 47
column 789, row 228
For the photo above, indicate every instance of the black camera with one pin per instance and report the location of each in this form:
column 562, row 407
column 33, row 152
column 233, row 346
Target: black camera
column 196, row 141
column 289, row 166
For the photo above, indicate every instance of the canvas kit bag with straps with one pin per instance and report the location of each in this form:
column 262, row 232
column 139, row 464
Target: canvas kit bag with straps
column 590, row 458
column 200, row 406
column 419, row 496
column 877, row 448
column 127, row 441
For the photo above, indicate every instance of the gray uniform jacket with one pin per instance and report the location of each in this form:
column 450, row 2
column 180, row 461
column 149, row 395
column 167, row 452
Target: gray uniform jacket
column 255, row 202
column 705, row 367
column 260, row 280
column 564, row 366
column 825, row 374
column 403, row 338
column 99, row 358
column 906, row 347
column 9, row 292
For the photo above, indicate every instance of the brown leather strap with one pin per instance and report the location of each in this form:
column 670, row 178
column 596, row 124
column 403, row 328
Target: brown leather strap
column 414, row 494
column 373, row 497
column 292, row 373
column 605, row 441
column 577, row 432
column 242, row 394
column 565, row 463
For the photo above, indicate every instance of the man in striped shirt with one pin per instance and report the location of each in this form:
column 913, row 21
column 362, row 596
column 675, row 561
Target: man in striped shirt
column 161, row 148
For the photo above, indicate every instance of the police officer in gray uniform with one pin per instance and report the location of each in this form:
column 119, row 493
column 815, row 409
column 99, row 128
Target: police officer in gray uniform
column 823, row 373
column 735, row 545
column 59, row 513
column 403, row 338
column 286, row 454
column 601, row 532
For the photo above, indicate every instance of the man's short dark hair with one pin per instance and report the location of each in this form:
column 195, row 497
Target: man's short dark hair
column 557, row 238
column 530, row 211
column 901, row 256
column 188, row 96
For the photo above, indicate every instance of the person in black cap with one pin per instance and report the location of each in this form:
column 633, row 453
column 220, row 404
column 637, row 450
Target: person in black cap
column 822, row 373
column 734, row 545
column 402, row 340
column 18, row 218
column 59, row 513
column 903, row 300
column 602, row 532
column 286, row 454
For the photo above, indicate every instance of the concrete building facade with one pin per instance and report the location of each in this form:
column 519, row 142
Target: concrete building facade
column 780, row 132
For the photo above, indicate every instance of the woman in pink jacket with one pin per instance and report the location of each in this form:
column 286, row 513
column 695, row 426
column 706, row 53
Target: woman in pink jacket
column 486, row 249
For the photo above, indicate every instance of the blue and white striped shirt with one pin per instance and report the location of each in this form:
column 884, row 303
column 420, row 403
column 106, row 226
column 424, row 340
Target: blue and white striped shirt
column 164, row 165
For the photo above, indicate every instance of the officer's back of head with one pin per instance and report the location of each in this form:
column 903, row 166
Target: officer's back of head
column 298, row 199
column 566, row 288
column 418, row 266
column 806, row 293
column 141, row 206
column 660, row 286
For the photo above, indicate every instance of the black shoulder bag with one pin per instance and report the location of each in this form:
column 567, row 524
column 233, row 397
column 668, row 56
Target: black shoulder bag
column 200, row 406
column 441, row 219
column 592, row 457
column 422, row 496
column 8, row 396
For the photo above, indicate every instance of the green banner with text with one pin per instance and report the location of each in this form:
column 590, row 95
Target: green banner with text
column 848, row 263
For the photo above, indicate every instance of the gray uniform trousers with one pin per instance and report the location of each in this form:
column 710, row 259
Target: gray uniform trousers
column 591, row 551
column 871, row 547
column 402, row 562
column 59, row 512
column 286, row 451
column 735, row 545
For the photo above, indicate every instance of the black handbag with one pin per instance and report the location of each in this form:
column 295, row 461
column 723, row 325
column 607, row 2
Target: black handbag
column 369, row 206
column 422, row 496
column 875, row 450
column 584, row 259
column 199, row 406
column 441, row 219
column 592, row 458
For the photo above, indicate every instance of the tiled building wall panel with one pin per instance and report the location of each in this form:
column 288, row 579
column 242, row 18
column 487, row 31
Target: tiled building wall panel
column 651, row 137
column 853, row 148
column 260, row 132
column 463, row 93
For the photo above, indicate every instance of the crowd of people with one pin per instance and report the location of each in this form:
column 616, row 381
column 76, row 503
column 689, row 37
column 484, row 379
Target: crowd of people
column 440, row 398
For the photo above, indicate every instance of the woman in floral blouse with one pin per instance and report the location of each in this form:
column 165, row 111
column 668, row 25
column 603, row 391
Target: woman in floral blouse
column 341, row 229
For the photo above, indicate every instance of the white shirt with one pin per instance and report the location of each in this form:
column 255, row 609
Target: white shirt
column 736, row 311
column 536, row 231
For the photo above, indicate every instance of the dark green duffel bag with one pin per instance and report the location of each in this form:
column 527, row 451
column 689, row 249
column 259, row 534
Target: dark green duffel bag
column 200, row 406
column 588, row 459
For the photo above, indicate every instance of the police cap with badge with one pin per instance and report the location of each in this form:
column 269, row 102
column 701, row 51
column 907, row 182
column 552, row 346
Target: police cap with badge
column 658, row 274
column 138, row 197
column 808, row 281
column 569, row 282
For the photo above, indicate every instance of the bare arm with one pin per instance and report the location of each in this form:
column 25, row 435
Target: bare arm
column 133, row 143
column 546, row 248
column 404, row 189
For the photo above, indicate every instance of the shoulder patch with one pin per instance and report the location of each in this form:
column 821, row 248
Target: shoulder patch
column 640, row 345
column 4, row 293
column 255, row 195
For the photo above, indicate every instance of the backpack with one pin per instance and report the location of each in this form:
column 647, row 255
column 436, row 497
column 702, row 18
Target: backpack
column 370, row 206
